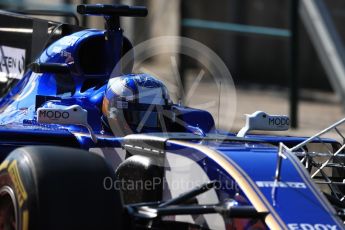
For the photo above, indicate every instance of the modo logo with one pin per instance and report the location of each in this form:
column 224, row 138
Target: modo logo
column 54, row 114
column 279, row 121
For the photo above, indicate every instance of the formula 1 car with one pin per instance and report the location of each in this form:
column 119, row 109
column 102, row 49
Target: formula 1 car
column 83, row 146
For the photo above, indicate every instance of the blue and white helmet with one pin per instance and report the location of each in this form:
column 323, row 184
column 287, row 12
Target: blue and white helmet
column 133, row 103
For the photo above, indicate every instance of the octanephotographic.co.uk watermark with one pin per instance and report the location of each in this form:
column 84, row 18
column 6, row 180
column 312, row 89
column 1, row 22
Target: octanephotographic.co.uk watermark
column 155, row 183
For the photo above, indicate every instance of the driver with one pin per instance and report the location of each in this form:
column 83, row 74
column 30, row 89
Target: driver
column 135, row 103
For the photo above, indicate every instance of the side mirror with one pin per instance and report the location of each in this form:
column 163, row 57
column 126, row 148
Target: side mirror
column 65, row 115
column 263, row 121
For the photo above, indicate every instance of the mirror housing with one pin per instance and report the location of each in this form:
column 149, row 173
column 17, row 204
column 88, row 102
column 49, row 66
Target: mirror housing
column 65, row 115
column 263, row 121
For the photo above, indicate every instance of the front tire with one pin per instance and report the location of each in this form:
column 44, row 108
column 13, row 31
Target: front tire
column 45, row 187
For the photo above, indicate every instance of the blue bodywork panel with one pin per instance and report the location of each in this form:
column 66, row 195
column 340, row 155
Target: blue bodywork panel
column 252, row 167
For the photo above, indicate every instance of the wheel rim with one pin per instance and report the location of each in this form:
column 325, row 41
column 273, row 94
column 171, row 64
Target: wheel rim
column 8, row 209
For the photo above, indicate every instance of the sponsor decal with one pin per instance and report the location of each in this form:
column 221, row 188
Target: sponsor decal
column 279, row 121
column 17, row 181
column 12, row 63
column 280, row 184
column 53, row 114
column 305, row 226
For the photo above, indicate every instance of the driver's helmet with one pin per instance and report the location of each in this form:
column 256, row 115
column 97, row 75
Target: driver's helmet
column 134, row 103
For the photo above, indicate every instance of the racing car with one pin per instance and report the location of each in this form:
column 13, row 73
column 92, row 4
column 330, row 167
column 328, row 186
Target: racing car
column 87, row 144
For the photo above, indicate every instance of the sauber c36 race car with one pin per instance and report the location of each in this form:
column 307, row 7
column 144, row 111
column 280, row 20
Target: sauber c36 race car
column 86, row 144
